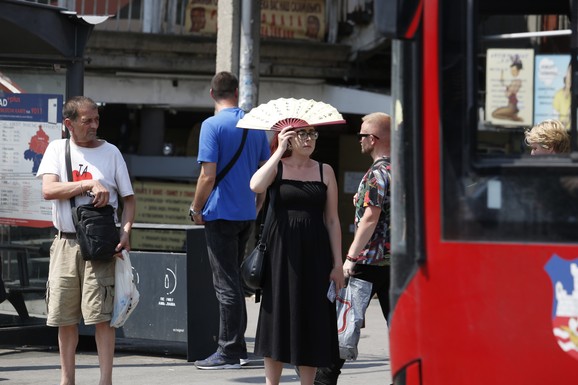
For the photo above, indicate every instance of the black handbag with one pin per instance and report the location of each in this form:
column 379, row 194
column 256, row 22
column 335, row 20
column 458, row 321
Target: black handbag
column 96, row 231
column 253, row 265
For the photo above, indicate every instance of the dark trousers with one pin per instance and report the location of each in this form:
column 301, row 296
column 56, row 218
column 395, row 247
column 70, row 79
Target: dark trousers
column 226, row 242
column 379, row 276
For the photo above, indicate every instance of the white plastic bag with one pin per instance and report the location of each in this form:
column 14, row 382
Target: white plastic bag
column 351, row 303
column 126, row 295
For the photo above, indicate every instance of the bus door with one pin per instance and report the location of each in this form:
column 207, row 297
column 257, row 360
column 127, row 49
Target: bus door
column 484, row 234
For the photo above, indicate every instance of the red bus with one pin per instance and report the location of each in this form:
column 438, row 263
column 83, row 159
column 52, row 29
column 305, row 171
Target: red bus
column 484, row 235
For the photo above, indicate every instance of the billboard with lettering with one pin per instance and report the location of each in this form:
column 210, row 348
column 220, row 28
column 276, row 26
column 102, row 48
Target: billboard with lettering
column 28, row 122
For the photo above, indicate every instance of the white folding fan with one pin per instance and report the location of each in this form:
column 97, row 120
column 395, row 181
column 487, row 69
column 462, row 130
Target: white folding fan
column 280, row 113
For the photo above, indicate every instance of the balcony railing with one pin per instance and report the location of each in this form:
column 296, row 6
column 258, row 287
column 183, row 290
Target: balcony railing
column 348, row 22
column 329, row 20
column 146, row 16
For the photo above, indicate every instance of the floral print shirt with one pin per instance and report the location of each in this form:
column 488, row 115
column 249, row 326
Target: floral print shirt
column 374, row 190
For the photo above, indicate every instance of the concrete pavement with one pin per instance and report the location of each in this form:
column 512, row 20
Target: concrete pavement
column 136, row 364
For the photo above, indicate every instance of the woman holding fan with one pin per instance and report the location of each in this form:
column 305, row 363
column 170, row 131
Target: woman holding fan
column 297, row 320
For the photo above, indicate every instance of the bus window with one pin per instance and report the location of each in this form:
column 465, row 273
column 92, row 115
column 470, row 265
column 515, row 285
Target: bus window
column 502, row 73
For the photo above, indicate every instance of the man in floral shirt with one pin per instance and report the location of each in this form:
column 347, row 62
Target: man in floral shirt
column 373, row 192
column 368, row 257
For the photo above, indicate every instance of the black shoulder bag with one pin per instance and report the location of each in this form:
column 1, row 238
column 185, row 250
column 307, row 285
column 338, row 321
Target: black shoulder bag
column 96, row 231
column 253, row 266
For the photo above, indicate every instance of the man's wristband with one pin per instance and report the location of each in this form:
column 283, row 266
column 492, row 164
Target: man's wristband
column 193, row 213
column 352, row 259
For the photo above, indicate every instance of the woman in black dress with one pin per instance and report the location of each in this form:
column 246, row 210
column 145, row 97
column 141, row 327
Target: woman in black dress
column 297, row 322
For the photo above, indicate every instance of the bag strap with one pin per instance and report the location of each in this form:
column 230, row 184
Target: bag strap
column 267, row 213
column 264, row 227
column 271, row 193
column 229, row 165
column 69, row 169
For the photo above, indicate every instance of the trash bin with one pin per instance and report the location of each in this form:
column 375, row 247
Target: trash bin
column 177, row 299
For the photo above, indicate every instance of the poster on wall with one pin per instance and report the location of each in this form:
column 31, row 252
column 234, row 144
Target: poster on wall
column 509, row 86
column 552, row 96
column 287, row 19
column 201, row 17
column 28, row 122
column 161, row 203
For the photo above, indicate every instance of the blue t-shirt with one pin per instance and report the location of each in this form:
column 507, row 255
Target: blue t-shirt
column 219, row 140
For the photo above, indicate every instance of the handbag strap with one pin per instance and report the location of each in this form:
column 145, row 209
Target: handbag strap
column 229, row 165
column 69, row 169
column 271, row 193
column 267, row 222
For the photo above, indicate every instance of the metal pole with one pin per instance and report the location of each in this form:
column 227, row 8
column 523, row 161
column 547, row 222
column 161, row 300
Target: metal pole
column 249, row 55
column 75, row 78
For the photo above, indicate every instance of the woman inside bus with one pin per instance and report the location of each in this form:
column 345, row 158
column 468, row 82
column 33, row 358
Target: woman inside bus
column 555, row 195
column 548, row 137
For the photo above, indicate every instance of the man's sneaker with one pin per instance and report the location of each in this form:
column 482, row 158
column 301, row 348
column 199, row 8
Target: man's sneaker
column 244, row 361
column 218, row 361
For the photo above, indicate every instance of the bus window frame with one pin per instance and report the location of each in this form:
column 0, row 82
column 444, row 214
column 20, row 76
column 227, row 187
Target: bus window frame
column 462, row 164
column 563, row 164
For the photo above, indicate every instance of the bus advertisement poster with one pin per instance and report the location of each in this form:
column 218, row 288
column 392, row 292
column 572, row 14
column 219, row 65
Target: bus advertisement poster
column 552, row 95
column 509, row 85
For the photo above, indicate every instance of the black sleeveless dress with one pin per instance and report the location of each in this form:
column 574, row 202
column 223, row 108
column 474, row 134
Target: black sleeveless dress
column 297, row 323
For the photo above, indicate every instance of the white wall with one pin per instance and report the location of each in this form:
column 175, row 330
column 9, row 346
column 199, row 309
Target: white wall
column 193, row 92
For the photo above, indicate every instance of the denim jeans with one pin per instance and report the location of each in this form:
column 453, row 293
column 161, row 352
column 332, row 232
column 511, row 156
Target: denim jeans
column 226, row 241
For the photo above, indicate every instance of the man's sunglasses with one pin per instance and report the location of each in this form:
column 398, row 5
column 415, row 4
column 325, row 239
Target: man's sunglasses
column 360, row 135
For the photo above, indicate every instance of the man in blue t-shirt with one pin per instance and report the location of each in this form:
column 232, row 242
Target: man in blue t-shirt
column 228, row 208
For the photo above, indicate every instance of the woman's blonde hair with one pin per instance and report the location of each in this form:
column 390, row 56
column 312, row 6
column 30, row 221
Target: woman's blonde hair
column 550, row 134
